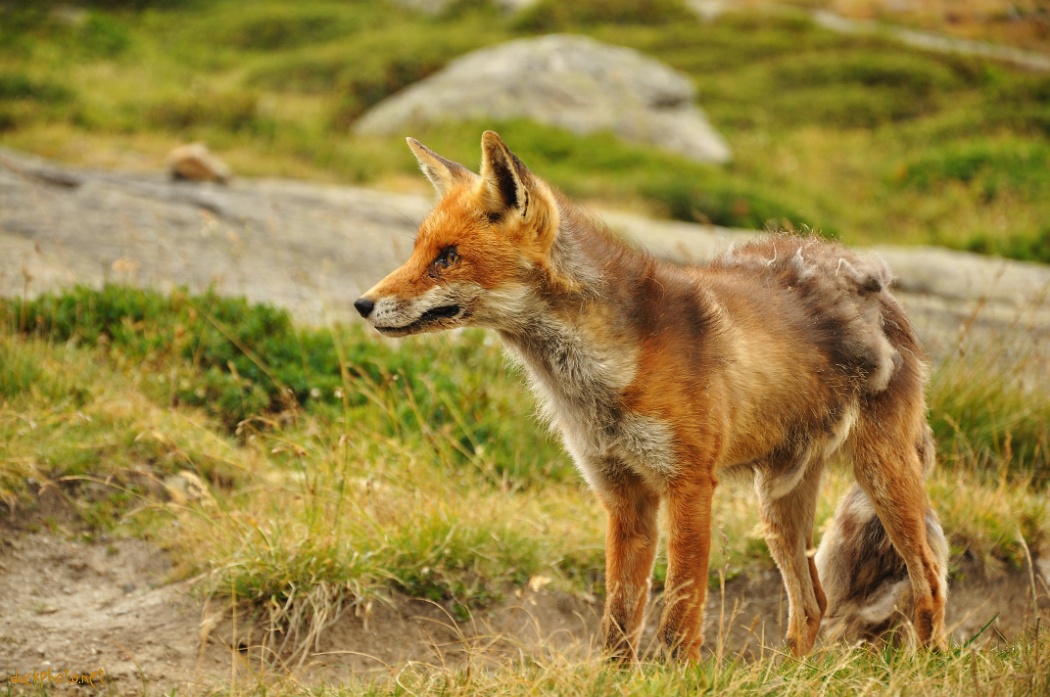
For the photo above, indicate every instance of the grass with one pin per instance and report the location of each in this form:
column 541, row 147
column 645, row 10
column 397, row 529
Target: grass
column 834, row 672
column 860, row 137
column 418, row 469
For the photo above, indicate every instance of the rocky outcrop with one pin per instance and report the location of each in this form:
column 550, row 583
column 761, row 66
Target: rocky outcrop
column 568, row 81
column 314, row 249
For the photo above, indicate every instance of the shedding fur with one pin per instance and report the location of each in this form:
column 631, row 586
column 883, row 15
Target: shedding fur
column 783, row 355
column 864, row 577
column 839, row 288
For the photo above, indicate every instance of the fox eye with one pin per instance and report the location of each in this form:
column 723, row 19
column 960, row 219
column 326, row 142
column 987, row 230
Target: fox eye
column 447, row 257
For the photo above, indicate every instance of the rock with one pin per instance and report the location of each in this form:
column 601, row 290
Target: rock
column 571, row 82
column 313, row 249
column 931, row 41
column 196, row 163
column 184, row 487
column 707, row 10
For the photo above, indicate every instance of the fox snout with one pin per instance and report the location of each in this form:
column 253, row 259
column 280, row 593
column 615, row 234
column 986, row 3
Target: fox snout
column 364, row 306
column 435, row 309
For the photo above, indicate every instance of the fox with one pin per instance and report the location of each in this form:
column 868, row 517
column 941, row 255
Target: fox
column 662, row 378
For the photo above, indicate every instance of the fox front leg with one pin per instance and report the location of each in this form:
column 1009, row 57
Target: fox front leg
column 688, row 550
column 630, row 549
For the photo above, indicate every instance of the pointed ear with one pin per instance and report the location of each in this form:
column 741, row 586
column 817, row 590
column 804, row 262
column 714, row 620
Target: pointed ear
column 443, row 174
column 507, row 180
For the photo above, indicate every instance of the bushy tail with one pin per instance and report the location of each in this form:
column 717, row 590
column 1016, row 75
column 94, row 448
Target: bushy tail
column 864, row 579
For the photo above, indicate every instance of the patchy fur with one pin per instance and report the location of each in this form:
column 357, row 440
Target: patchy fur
column 787, row 352
column 864, row 577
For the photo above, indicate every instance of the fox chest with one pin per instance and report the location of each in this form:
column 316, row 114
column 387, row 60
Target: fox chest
column 579, row 394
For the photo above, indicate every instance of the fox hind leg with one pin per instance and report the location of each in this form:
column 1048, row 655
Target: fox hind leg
column 788, row 525
column 890, row 471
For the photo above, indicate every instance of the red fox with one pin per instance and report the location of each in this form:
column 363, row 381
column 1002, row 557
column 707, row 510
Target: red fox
column 661, row 379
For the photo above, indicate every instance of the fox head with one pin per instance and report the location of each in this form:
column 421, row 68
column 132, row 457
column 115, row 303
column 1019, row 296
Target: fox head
column 478, row 254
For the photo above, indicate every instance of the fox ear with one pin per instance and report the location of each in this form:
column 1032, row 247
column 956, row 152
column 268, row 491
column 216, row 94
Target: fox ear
column 507, row 180
column 442, row 173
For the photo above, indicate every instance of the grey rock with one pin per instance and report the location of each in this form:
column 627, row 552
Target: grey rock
column 314, row 249
column 930, row 41
column 571, row 82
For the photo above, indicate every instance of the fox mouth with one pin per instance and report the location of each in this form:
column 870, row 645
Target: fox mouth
column 431, row 319
column 439, row 313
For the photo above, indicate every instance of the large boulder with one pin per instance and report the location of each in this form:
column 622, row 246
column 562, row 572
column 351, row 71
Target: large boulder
column 567, row 81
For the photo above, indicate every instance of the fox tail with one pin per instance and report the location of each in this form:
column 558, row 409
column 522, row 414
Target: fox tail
column 865, row 580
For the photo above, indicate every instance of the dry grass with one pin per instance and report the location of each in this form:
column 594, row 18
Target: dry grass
column 1023, row 23
column 312, row 512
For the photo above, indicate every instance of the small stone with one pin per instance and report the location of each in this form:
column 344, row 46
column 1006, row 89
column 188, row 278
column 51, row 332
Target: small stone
column 195, row 162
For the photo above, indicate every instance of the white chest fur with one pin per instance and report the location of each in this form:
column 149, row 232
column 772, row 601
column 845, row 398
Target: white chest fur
column 580, row 386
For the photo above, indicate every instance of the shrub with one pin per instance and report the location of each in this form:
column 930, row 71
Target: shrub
column 17, row 85
column 858, row 90
column 283, row 29
column 1024, row 247
column 553, row 15
column 990, row 410
column 994, row 167
column 232, row 111
column 235, row 360
column 714, row 201
column 238, row 360
column 103, row 36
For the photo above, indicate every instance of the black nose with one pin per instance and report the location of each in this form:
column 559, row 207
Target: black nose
column 364, row 306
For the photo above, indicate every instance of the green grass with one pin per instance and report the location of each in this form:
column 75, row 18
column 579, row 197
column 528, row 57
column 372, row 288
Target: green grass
column 342, row 468
column 860, row 137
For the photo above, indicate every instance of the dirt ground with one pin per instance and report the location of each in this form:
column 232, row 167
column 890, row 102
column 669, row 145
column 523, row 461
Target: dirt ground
column 107, row 609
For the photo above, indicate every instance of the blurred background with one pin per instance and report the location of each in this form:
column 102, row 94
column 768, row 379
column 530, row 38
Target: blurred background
column 875, row 121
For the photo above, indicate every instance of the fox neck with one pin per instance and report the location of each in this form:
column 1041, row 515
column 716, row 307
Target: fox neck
column 557, row 333
column 560, row 295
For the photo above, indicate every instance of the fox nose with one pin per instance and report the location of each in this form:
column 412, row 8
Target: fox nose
column 364, row 306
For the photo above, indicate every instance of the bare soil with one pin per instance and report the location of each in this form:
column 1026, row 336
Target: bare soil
column 107, row 609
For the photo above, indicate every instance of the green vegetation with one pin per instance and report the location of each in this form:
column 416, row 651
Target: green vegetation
column 860, row 137
column 837, row 673
column 340, row 468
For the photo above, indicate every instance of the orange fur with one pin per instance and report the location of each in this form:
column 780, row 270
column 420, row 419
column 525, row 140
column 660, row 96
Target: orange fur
column 772, row 360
